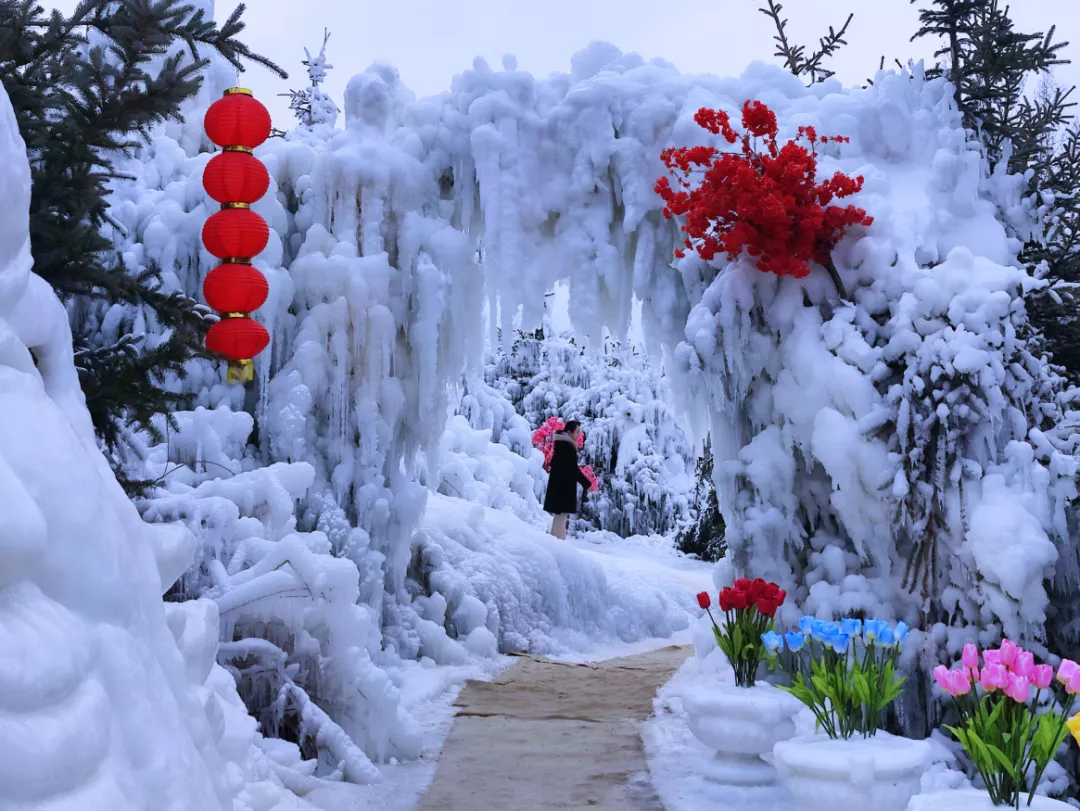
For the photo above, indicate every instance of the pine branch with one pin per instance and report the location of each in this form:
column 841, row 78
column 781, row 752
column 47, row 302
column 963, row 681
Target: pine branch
column 793, row 56
column 87, row 88
column 790, row 54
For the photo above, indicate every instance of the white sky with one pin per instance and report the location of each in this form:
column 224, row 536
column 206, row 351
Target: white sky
column 430, row 41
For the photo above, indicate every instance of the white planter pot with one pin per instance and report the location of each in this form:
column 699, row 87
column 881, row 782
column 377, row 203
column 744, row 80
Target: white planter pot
column 742, row 724
column 881, row 773
column 969, row 799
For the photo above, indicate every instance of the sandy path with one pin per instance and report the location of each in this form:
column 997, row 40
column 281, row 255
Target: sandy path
column 546, row 735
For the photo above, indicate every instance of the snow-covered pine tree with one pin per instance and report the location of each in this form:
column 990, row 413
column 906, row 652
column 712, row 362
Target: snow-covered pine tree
column 633, row 442
column 704, row 537
column 1032, row 133
column 87, row 89
column 992, row 67
column 311, row 105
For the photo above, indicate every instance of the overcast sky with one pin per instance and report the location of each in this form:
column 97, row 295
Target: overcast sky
column 430, row 41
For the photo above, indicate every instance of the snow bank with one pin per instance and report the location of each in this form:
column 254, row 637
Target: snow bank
column 94, row 689
column 497, row 581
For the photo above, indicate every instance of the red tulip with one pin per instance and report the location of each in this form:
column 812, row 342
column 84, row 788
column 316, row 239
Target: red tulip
column 703, row 599
column 725, row 600
column 740, row 600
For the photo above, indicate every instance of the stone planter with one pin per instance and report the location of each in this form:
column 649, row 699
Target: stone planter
column 742, row 725
column 970, row 799
column 881, row 773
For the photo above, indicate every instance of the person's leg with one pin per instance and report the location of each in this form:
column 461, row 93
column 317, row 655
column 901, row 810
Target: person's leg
column 558, row 525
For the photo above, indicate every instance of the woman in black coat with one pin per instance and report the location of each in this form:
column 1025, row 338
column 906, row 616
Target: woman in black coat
column 564, row 478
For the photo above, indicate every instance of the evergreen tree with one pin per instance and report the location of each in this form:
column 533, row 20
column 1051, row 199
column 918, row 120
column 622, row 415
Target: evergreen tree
column 704, row 538
column 992, row 67
column 312, row 105
column 87, row 88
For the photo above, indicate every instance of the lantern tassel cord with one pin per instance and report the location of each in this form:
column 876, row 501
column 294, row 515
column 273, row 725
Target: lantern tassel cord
column 240, row 371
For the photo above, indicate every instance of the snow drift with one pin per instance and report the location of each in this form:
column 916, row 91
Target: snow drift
column 96, row 707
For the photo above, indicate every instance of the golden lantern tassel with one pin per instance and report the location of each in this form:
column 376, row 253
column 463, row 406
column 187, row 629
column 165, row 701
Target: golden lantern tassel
column 240, row 371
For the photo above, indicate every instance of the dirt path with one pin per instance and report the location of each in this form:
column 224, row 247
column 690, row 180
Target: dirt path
column 546, row 735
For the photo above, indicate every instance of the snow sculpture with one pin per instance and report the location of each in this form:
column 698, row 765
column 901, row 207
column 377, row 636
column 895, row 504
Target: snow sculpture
column 95, row 708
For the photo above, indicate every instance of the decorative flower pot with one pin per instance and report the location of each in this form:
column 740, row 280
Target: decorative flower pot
column 969, row 799
column 881, row 773
column 742, row 724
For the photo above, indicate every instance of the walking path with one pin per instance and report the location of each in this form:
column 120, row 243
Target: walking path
column 548, row 735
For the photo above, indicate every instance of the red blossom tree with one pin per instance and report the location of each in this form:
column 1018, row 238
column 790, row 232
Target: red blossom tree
column 766, row 201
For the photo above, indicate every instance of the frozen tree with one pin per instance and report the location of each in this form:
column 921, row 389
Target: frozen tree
column 312, row 105
column 704, row 536
column 88, row 88
column 632, row 439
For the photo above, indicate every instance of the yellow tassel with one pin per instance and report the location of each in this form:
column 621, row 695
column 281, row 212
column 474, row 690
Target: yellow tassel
column 240, row 371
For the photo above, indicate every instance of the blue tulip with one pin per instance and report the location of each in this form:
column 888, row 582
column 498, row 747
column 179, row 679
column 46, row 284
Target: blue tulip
column 806, row 625
column 773, row 641
column 901, row 633
column 873, row 629
column 887, row 637
column 840, row 642
column 851, row 626
column 795, row 641
column 826, row 630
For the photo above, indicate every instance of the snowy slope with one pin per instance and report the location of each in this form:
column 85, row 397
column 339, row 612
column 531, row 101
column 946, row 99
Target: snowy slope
column 95, row 707
column 494, row 579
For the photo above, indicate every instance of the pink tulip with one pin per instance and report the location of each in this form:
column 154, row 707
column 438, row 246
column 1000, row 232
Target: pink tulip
column 1017, row 688
column 1025, row 664
column 1008, row 653
column 994, row 677
column 1073, row 685
column 991, row 657
column 1043, row 676
column 1066, row 670
column 970, row 657
column 959, row 683
column 941, row 676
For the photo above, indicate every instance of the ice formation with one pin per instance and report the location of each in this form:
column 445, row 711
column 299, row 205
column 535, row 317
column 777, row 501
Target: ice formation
column 97, row 708
column 634, row 442
column 898, row 456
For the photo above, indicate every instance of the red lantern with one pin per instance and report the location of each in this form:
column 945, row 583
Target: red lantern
column 238, row 338
column 237, row 120
column 236, row 177
column 235, row 233
column 235, row 288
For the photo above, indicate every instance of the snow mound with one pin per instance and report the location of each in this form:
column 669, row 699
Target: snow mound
column 493, row 579
column 93, row 688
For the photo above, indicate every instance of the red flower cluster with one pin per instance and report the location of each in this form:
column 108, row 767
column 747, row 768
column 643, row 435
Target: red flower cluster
column 543, row 439
column 743, row 594
column 768, row 202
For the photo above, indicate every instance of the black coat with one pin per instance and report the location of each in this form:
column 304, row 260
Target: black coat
column 564, row 478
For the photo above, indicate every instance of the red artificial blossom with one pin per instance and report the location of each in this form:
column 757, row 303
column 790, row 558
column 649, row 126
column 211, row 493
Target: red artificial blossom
column 543, row 439
column 749, row 607
column 766, row 201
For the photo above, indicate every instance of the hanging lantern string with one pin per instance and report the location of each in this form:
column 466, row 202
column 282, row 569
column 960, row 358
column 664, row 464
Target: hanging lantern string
column 236, row 179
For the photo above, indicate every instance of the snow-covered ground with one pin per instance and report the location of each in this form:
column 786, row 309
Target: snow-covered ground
column 678, row 762
column 654, row 584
